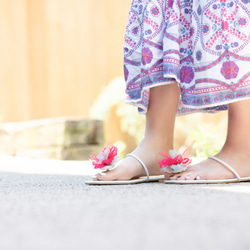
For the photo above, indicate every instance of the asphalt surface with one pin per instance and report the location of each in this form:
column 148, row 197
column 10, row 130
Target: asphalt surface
column 44, row 204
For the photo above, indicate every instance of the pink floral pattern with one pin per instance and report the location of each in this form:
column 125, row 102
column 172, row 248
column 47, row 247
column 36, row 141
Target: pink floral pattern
column 105, row 159
column 175, row 163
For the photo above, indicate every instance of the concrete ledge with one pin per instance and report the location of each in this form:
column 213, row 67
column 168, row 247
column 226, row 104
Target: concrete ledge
column 60, row 138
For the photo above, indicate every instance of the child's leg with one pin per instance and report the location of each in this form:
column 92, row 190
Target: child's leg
column 158, row 136
column 235, row 151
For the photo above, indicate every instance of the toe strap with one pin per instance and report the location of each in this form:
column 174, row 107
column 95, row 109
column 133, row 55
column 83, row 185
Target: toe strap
column 141, row 162
column 225, row 165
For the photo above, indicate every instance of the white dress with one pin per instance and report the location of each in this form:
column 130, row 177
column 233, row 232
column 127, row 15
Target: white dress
column 204, row 46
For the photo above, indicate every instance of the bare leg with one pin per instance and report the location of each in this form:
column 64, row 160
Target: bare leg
column 235, row 151
column 158, row 136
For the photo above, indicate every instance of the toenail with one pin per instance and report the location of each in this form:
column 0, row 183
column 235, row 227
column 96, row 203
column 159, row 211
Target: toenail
column 198, row 177
column 187, row 177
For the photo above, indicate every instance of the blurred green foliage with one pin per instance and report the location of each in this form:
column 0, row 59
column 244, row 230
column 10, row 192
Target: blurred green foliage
column 206, row 142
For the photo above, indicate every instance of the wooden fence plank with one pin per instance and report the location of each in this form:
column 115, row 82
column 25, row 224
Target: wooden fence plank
column 56, row 55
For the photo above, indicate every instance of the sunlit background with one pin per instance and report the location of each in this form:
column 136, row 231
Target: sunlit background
column 57, row 55
column 64, row 58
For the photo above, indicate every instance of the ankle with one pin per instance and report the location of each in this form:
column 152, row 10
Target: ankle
column 155, row 146
column 158, row 140
column 232, row 148
column 234, row 153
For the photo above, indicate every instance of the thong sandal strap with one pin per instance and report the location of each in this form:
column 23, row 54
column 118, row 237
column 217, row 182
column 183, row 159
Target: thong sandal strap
column 225, row 165
column 140, row 161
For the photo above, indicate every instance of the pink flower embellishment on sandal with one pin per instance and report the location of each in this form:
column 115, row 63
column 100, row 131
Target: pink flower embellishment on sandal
column 175, row 163
column 106, row 159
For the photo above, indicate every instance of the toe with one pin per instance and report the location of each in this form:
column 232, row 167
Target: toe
column 97, row 177
column 175, row 177
column 200, row 176
column 94, row 178
column 168, row 176
column 191, row 176
column 187, row 176
column 184, row 176
column 105, row 176
column 195, row 176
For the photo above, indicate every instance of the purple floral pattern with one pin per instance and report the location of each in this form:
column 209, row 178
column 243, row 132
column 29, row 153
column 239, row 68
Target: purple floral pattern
column 229, row 70
column 147, row 56
column 202, row 45
column 126, row 73
column 187, row 74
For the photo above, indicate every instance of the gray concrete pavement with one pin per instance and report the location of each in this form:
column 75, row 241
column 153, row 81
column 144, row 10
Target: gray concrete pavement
column 46, row 205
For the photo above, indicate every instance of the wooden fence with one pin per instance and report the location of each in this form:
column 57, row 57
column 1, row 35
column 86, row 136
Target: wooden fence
column 56, row 55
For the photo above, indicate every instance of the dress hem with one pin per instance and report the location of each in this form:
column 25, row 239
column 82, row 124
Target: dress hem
column 192, row 109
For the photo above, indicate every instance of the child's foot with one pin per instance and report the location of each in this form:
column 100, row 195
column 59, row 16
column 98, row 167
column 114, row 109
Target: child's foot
column 130, row 168
column 210, row 169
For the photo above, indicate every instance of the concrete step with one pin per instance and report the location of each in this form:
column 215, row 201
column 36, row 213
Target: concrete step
column 65, row 138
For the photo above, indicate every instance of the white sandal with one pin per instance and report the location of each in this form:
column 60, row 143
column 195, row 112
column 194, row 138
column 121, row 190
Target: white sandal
column 143, row 179
column 198, row 181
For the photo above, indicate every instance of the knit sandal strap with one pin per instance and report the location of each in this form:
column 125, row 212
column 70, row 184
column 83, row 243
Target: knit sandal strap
column 140, row 161
column 226, row 166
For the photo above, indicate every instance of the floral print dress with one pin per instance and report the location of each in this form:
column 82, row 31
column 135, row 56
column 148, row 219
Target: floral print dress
column 203, row 45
